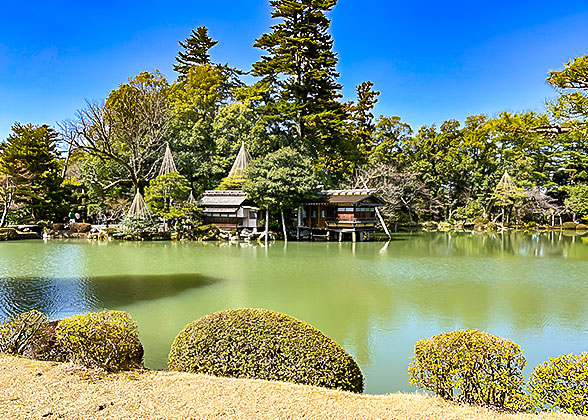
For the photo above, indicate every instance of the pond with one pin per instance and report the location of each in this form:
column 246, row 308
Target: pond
column 375, row 299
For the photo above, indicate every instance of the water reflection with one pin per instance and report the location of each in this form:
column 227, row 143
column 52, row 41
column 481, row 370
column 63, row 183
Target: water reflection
column 59, row 297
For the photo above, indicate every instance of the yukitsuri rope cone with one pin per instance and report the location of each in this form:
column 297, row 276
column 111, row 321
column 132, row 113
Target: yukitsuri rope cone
column 139, row 207
column 241, row 162
column 167, row 165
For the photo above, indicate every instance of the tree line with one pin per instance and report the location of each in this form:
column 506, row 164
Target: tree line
column 517, row 166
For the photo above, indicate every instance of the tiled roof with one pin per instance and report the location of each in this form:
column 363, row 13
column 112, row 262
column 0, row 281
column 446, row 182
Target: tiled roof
column 351, row 196
column 222, row 198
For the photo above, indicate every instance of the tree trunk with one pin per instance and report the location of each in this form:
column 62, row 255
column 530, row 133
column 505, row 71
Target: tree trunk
column 284, row 225
column 7, row 205
column 266, row 224
column 379, row 215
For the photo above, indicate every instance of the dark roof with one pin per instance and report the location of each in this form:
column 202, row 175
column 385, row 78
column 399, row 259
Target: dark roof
column 222, row 198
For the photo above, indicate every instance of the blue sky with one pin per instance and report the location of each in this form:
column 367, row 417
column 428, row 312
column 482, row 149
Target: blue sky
column 431, row 60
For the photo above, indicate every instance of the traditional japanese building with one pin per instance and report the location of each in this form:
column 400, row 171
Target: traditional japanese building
column 341, row 214
column 230, row 209
column 336, row 214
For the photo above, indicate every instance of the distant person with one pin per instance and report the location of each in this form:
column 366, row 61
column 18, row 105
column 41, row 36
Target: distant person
column 72, row 217
column 77, row 216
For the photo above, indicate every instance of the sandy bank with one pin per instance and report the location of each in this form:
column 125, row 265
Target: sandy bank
column 40, row 390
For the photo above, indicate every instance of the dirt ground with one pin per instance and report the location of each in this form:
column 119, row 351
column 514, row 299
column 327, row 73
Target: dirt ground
column 40, row 390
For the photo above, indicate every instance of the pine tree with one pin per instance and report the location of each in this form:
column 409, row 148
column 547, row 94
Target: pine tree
column 300, row 65
column 29, row 164
column 195, row 52
column 362, row 119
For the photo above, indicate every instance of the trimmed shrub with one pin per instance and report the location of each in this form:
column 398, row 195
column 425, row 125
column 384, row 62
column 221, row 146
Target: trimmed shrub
column 562, row 383
column 107, row 339
column 21, row 333
column 582, row 226
column 471, row 366
column 263, row 344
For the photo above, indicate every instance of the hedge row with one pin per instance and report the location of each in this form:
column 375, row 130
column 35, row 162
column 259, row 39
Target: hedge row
column 479, row 368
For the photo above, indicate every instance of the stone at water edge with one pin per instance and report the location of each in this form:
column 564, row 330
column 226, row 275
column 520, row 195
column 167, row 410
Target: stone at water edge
column 80, row 227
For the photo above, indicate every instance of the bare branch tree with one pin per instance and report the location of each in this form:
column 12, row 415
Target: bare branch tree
column 402, row 191
column 129, row 129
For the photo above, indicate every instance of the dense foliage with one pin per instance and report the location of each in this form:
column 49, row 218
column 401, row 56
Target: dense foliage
column 107, row 339
column 30, row 174
column 471, row 366
column 562, row 383
column 451, row 171
column 257, row 343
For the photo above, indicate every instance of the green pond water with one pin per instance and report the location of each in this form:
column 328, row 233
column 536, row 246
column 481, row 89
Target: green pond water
column 375, row 299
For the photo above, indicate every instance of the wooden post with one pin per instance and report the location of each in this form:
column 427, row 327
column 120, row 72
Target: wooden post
column 298, row 222
column 354, row 236
column 284, row 225
column 378, row 213
column 340, row 236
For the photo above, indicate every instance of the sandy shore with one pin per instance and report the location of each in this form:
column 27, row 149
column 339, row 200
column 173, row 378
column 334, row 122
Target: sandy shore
column 40, row 390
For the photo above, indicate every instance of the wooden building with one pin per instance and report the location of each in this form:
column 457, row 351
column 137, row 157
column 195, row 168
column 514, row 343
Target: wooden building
column 340, row 214
column 229, row 210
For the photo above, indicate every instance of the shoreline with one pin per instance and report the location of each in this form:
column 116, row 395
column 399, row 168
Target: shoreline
column 49, row 390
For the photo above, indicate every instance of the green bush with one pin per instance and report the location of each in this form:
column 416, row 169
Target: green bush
column 562, row 383
column 20, row 334
column 491, row 226
column 258, row 343
column 107, row 339
column 473, row 210
column 137, row 228
column 471, row 366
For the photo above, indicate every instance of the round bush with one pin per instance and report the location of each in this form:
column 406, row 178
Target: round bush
column 262, row 344
column 562, row 383
column 471, row 366
column 107, row 339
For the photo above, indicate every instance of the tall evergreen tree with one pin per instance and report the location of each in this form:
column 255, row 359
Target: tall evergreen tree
column 300, row 64
column 362, row 119
column 195, row 52
column 29, row 164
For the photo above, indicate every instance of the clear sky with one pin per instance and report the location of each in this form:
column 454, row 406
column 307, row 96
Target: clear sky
column 432, row 60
